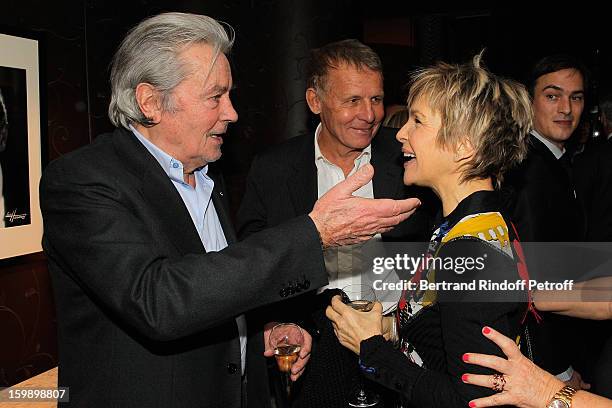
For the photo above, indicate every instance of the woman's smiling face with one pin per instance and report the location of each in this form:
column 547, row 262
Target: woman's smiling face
column 427, row 162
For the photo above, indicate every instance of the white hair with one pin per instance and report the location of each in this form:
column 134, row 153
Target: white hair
column 149, row 54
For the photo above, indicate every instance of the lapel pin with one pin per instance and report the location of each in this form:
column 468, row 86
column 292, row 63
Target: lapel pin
column 221, row 193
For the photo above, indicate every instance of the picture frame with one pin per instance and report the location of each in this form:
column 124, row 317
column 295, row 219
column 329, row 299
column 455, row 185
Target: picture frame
column 21, row 141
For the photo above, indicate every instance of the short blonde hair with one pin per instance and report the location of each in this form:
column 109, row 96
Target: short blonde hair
column 494, row 113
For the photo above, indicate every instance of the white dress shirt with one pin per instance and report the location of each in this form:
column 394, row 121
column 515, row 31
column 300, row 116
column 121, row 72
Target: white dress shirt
column 346, row 265
column 556, row 150
column 339, row 261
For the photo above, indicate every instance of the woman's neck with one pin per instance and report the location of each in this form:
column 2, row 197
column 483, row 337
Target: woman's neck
column 453, row 192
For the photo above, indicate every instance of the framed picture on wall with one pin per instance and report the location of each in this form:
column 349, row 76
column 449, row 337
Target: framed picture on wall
column 20, row 145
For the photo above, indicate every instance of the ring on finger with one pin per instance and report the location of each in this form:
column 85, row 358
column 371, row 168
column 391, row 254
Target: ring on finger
column 499, row 382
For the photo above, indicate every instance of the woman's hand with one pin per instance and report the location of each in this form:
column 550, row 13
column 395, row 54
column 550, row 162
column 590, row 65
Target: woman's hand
column 387, row 329
column 522, row 383
column 351, row 326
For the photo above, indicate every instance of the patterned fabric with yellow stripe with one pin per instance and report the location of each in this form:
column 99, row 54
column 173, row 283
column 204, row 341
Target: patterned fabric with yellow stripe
column 489, row 227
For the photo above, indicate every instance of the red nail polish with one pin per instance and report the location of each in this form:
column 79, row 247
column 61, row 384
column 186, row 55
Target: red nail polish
column 486, row 330
column 464, row 377
column 472, row 404
column 466, row 357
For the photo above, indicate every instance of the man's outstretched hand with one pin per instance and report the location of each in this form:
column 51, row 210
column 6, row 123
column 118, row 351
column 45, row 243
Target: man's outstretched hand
column 343, row 219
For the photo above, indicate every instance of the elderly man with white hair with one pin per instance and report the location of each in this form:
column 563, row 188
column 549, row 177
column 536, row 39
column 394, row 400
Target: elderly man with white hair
column 150, row 283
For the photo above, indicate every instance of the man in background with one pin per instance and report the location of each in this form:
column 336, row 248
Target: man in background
column 345, row 89
column 545, row 206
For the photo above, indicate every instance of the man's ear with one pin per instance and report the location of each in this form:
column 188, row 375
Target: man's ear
column 149, row 102
column 464, row 151
column 314, row 103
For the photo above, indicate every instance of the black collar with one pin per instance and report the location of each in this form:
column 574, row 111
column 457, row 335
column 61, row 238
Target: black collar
column 478, row 202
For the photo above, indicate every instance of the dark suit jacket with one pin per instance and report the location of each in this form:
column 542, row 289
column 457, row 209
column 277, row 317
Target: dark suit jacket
column 282, row 184
column 543, row 208
column 593, row 179
column 146, row 318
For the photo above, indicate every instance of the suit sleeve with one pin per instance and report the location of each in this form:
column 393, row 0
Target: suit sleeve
column 525, row 213
column 94, row 234
column 423, row 387
column 253, row 217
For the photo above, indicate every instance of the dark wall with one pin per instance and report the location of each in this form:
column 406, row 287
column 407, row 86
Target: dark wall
column 514, row 40
column 27, row 316
column 272, row 41
column 27, row 319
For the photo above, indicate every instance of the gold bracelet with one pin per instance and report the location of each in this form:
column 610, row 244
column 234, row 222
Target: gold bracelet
column 563, row 398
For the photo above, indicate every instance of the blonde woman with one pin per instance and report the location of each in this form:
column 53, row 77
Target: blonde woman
column 466, row 128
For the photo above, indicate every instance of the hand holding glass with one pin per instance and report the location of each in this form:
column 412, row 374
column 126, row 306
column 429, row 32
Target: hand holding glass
column 360, row 298
column 287, row 340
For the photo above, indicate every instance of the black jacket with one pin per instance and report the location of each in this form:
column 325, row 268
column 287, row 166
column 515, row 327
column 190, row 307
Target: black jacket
column 593, row 179
column 545, row 208
column 543, row 205
column 451, row 326
column 146, row 318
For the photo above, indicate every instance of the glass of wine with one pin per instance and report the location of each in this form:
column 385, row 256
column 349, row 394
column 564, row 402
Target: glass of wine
column 287, row 340
column 361, row 298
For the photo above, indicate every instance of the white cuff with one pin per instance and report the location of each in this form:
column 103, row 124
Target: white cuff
column 566, row 375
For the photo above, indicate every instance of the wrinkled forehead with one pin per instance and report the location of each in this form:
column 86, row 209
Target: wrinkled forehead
column 348, row 72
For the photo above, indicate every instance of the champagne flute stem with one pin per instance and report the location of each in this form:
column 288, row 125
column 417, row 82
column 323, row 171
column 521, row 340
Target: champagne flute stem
column 361, row 397
column 286, row 379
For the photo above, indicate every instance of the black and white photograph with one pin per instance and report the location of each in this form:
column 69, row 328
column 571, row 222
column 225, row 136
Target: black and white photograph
column 20, row 145
column 14, row 172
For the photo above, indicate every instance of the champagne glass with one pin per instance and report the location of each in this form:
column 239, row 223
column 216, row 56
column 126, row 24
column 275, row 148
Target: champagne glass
column 287, row 340
column 361, row 298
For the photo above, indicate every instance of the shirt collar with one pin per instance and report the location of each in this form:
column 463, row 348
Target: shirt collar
column 554, row 149
column 171, row 166
column 366, row 153
column 478, row 202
